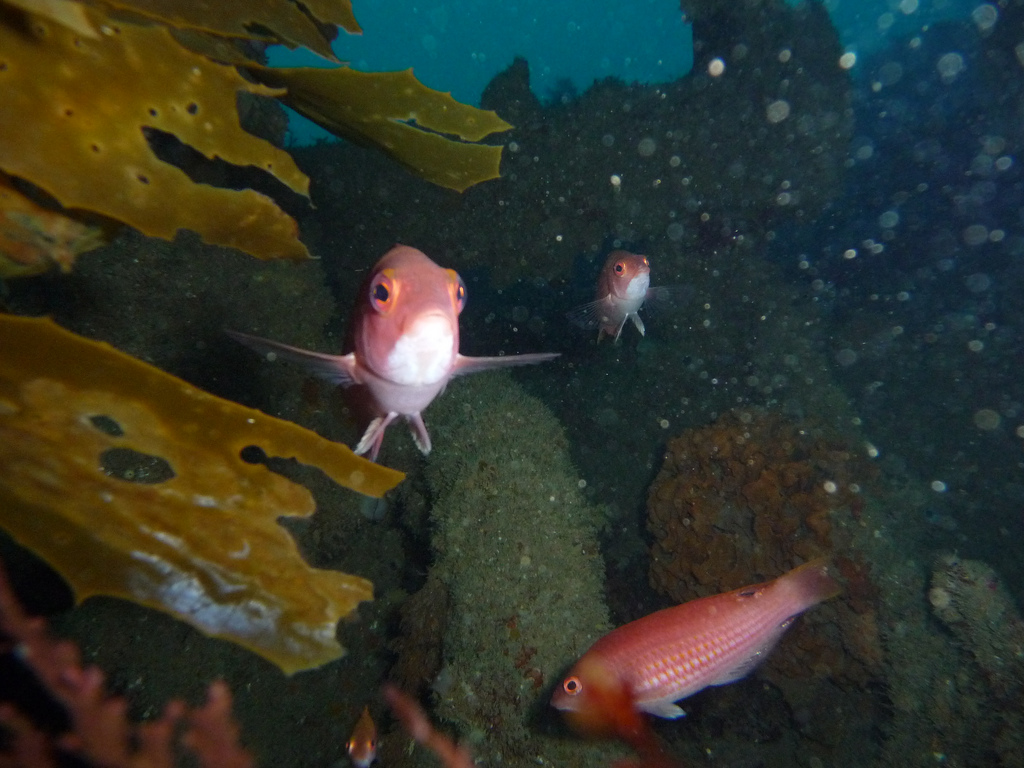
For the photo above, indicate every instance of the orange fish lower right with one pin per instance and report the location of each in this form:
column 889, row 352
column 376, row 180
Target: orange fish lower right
column 676, row 652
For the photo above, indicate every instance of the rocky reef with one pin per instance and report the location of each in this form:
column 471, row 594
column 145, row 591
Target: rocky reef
column 516, row 549
column 970, row 598
column 750, row 496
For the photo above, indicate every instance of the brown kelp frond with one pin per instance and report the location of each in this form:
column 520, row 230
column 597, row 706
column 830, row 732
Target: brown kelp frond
column 130, row 483
column 74, row 115
column 277, row 21
column 395, row 112
column 87, row 87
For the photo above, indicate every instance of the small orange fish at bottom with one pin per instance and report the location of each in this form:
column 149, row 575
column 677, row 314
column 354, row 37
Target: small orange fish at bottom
column 362, row 744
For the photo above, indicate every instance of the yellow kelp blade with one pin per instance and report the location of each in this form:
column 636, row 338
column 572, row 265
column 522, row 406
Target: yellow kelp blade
column 70, row 13
column 280, row 21
column 337, row 12
column 72, row 116
column 395, row 112
column 129, row 482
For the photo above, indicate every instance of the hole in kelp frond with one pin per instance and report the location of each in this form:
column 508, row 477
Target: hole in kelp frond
column 135, row 467
column 106, row 425
column 253, row 454
column 217, row 172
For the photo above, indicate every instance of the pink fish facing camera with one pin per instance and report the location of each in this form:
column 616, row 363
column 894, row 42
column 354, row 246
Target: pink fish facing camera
column 362, row 744
column 623, row 287
column 405, row 345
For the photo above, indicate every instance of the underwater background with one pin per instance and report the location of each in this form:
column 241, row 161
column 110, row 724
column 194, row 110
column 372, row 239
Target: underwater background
column 834, row 193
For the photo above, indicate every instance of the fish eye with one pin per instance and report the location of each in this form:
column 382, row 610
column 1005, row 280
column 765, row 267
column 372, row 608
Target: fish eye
column 382, row 292
column 458, row 290
column 572, row 686
column 620, row 267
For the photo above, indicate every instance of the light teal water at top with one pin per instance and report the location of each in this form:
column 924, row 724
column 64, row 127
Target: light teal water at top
column 460, row 45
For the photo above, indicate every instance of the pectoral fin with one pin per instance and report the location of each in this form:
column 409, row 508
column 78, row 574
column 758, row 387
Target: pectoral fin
column 464, row 365
column 338, row 369
column 592, row 315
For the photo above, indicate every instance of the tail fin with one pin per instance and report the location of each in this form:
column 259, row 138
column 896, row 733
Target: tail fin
column 812, row 582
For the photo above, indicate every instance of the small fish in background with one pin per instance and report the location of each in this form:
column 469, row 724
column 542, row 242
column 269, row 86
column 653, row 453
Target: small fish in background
column 362, row 744
column 405, row 348
column 678, row 651
column 622, row 288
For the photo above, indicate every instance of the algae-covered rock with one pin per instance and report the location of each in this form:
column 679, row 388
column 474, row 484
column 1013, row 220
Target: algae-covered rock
column 516, row 547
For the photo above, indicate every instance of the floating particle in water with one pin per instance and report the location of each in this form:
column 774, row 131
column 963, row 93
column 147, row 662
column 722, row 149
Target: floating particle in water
column 992, row 145
column 850, row 253
column 987, row 419
column 1020, row 431
column 829, row 486
column 778, row 111
column 888, row 220
column 871, row 450
column 646, row 146
column 847, row 60
column 616, row 180
column 846, row 357
column 607, row 139
column 908, row 7
column 938, row 486
column 985, row 16
column 978, row 282
column 975, row 345
column 674, row 231
column 890, row 73
column 674, row 161
column 976, row 234
column 716, row 67
column 950, row 65
column 865, row 148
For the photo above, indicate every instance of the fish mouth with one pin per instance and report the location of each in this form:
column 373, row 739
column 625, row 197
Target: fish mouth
column 425, row 352
column 561, row 702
